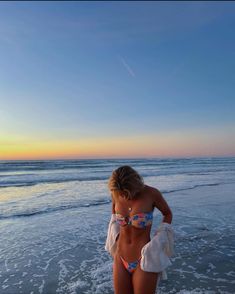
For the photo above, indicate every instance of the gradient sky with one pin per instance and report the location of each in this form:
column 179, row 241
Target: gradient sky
column 117, row 79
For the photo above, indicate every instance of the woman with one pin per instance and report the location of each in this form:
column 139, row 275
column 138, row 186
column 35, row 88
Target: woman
column 133, row 203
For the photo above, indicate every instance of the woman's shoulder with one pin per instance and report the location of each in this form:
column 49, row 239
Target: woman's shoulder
column 149, row 190
column 152, row 194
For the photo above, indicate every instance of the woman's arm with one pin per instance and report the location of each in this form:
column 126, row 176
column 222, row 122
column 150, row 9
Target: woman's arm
column 162, row 205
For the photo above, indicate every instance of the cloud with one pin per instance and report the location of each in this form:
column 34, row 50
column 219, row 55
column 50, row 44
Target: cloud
column 127, row 67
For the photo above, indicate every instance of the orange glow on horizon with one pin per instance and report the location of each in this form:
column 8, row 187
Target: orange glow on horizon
column 170, row 145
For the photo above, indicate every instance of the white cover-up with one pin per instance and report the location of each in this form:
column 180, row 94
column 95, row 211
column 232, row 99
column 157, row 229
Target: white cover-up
column 155, row 255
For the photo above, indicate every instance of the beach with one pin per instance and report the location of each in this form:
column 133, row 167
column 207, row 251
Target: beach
column 54, row 218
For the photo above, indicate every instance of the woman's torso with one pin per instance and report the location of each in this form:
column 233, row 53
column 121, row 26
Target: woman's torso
column 132, row 238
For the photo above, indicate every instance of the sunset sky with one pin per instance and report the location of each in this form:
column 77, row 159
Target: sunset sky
column 117, row 79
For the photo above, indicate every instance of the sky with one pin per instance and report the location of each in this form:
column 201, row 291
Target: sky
column 116, row 79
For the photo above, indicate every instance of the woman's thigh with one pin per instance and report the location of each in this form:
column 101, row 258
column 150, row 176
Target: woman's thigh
column 144, row 282
column 121, row 278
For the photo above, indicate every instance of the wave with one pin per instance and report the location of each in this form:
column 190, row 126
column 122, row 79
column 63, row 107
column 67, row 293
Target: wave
column 39, row 165
column 22, row 180
column 193, row 187
column 49, row 181
column 86, row 204
column 54, row 209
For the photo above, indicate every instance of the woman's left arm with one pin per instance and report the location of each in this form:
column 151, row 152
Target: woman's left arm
column 162, row 205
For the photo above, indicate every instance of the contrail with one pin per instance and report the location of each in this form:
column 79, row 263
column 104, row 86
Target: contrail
column 127, row 67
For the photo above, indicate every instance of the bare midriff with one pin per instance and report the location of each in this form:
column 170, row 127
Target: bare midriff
column 131, row 240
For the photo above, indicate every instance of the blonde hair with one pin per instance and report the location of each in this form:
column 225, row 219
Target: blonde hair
column 126, row 179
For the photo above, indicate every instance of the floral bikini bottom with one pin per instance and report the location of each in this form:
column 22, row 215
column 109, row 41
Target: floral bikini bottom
column 130, row 266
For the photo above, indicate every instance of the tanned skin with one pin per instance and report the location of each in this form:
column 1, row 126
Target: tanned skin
column 132, row 239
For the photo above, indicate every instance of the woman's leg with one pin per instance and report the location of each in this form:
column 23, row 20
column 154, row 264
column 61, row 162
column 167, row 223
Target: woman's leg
column 144, row 282
column 121, row 277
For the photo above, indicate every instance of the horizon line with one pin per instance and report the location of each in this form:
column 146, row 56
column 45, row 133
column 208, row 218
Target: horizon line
column 122, row 158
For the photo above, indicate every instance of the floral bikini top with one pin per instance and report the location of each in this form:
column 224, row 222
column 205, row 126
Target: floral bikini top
column 139, row 220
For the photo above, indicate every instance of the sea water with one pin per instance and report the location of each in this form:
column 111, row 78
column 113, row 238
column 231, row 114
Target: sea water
column 54, row 217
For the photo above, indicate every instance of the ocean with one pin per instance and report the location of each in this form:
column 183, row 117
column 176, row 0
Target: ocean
column 54, row 216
